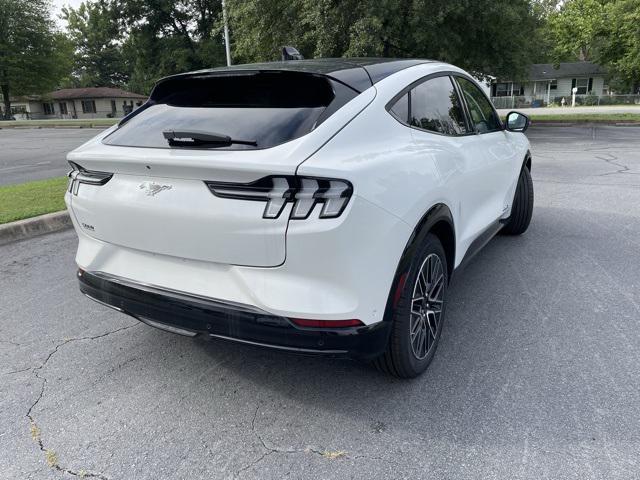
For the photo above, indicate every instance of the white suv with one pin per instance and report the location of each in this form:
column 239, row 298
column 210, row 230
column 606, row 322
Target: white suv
column 314, row 206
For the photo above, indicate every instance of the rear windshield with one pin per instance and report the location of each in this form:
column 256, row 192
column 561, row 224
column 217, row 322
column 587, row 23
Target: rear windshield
column 258, row 109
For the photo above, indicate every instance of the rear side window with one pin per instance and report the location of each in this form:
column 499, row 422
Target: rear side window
column 261, row 109
column 435, row 107
column 400, row 109
column 482, row 114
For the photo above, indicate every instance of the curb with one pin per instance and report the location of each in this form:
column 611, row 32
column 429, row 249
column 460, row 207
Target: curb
column 33, row 227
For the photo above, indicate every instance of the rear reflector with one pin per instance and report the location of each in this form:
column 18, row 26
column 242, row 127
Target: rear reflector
column 303, row 322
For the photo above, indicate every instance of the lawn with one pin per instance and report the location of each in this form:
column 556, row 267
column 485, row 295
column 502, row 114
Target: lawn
column 30, row 199
column 587, row 117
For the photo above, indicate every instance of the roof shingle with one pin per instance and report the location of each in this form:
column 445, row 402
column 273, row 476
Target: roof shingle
column 92, row 92
column 547, row 71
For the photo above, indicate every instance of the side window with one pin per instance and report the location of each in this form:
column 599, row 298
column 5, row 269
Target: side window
column 400, row 109
column 435, row 107
column 483, row 115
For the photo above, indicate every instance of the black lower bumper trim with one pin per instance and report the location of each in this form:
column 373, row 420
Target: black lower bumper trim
column 188, row 314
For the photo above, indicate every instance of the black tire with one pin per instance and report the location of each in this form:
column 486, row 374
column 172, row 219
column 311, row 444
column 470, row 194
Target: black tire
column 400, row 359
column 522, row 206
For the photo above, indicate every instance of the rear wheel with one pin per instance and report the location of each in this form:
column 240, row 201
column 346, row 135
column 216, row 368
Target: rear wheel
column 418, row 313
column 522, row 206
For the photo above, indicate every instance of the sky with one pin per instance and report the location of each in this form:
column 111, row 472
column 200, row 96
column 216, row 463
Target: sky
column 57, row 7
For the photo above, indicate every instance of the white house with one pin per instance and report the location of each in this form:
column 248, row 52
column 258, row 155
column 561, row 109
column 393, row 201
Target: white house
column 94, row 102
column 547, row 84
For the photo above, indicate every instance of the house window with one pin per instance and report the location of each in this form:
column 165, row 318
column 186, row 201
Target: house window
column 502, row 90
column 553, row 84
column 582, row 84
column 517, row 89
column 63, row 108
column 88, row 106
column 18, row 109
column 48, row 108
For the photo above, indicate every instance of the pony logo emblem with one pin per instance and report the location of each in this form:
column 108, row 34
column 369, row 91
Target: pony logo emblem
column 152, row 188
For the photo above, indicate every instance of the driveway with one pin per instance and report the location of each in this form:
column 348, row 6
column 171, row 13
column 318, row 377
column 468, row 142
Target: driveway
column 536, row 376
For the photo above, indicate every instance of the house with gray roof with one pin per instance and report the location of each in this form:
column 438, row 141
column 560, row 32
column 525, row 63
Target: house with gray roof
column 81, row 103
column 546, row 83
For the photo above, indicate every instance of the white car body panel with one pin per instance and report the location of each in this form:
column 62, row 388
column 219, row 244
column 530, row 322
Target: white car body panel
column 406, row 171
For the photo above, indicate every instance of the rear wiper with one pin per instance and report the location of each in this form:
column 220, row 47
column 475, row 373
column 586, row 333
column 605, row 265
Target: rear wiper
column 195, row 138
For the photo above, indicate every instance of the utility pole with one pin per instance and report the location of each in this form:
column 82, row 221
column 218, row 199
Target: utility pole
column 226, row 33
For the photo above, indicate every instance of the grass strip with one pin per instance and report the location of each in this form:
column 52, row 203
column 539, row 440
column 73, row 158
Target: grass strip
column 586, row 117
column 26, row 200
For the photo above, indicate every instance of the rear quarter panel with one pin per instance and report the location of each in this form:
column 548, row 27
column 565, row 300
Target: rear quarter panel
column 379, row 156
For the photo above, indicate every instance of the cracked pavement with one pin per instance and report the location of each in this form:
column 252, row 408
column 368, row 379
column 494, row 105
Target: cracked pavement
column 537, row 374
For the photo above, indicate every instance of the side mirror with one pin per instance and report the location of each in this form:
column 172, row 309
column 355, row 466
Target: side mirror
column 517, row 122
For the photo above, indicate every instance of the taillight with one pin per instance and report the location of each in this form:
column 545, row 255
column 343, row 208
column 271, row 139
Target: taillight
column 303, row 192
column 307, row 323
column 79, row 175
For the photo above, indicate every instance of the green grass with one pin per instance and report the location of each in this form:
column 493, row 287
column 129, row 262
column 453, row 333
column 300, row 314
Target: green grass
column 96, row 122
column 586, row 117
column 30, row 199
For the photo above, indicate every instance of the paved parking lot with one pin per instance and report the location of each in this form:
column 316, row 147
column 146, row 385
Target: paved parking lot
column 537, row 374
column 38, row 153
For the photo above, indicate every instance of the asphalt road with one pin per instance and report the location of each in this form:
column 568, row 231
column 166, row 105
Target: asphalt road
column 537, row 375
column 38, row 153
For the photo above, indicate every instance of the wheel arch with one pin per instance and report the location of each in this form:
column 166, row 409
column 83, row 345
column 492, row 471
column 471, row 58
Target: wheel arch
column 527, row 160
column 438, row 220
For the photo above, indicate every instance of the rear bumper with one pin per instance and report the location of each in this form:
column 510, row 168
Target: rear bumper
column 193, row 315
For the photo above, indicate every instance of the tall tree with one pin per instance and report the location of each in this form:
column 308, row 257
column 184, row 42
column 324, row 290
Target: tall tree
column 171, row 36
column 31, row 59
column 95, row 31
column 494, row 38
column 604, row 31
column 575, row 27
column 134, row 42
column 619, row 40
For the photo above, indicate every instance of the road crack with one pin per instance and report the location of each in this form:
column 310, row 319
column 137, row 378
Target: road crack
column 612, row 161
column 50, row 455
column 270, row 449
column 12, row 372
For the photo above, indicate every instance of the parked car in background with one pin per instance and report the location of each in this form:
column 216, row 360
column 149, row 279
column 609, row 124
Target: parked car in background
column 313, row 206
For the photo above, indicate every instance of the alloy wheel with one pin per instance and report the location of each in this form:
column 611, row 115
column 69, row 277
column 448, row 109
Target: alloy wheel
column 426, row 306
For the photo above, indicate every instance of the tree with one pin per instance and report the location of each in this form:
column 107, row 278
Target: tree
column 619, row 40
column 604, row 31
column 31, row 51
column 492, row 38
column 170, row 36
column 134, row 42
column 575, row 28
column 97, row 38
